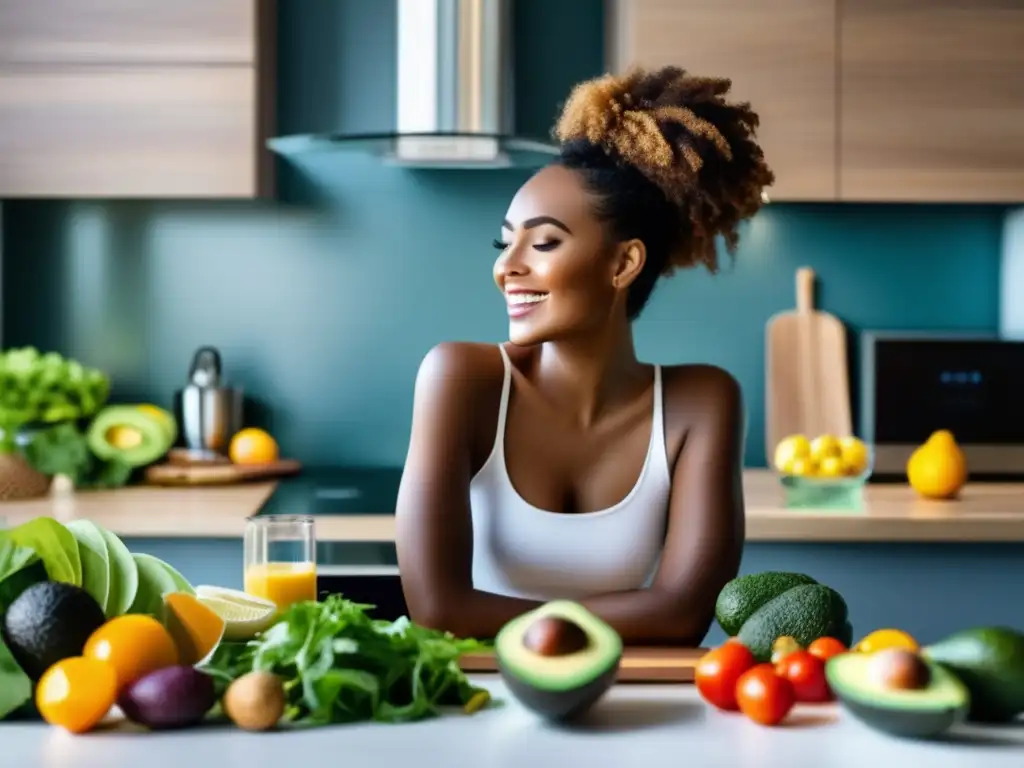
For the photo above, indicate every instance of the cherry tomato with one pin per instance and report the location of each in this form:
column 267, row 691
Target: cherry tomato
column 826, row 647
column 806, row 672
column 763, row 696
column 717, row 673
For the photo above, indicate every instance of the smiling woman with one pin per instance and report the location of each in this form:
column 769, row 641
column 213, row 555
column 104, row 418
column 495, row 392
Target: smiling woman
column 559, row 466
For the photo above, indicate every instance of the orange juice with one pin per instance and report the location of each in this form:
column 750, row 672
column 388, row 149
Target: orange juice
column 282, row 583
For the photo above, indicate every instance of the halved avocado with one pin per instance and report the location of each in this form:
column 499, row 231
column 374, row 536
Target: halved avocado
column 129, row 434
column 558, row 659
column 916, row 713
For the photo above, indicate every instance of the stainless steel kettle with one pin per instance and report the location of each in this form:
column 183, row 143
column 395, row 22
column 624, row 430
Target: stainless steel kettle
column 211, row 412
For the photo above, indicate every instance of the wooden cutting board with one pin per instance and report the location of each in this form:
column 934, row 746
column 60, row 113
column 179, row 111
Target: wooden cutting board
column 807, row 385
column 639, row 665
column 218, row 474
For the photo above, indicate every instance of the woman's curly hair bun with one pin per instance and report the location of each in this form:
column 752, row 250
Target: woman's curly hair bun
column 678, row 130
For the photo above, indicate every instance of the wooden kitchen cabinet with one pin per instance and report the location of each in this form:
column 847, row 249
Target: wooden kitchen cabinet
column 128, row 31
column 781, row 56
column 932, row 100
column 131, row 98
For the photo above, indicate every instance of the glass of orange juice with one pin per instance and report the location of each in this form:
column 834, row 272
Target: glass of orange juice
column 280, row 558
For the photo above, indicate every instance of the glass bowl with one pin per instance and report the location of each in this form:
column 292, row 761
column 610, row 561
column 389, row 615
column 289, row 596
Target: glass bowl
column 841, row 493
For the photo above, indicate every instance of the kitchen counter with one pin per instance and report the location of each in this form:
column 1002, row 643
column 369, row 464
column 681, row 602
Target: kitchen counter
column 633, row 725
column 360, row 511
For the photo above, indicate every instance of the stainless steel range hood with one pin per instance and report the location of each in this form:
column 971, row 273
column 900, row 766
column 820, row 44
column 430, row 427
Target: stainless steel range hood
column 454, row 93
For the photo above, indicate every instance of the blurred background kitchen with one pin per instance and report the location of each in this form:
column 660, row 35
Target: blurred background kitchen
column 130, row 237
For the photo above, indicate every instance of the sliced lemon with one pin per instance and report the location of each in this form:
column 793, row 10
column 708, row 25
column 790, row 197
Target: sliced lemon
column 244, row 615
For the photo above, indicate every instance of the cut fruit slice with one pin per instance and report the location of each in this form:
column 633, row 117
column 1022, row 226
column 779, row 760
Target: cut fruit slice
column 243, row 621
column 196, row 628
column 233, row 596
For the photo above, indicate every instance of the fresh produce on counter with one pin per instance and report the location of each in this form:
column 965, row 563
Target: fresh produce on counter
column 135, row 435
column 990, row 663
column 559, row 659
column 896, row 691
column 337, row 664
column 938, row 468
column 45, row 569
column 759, row 608
column 37, row 388
column 825, row 456
column 253, row 446
column 881, row 639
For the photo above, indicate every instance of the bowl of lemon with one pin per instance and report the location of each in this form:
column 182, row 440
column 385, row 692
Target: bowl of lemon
column 823, row 472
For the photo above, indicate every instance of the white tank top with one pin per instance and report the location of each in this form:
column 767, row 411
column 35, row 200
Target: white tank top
column 522, row 551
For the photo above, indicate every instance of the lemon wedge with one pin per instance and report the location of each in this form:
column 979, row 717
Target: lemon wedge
column 244, row 615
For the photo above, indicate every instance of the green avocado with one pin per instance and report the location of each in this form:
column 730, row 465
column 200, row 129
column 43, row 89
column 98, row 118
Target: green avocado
column 918, row 713
column 130, row 434
column 745, row 594
column 990, row 662
column 558, row 660
column 48, row 622
column 805, row 613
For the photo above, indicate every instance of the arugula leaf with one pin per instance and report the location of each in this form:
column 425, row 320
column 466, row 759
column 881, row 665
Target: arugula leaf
column 341, row 665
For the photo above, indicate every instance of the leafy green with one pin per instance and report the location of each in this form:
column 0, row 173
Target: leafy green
column 55, row 546
column 341, row 665
column 45, row 388
column 63, row 449
column 17, row 571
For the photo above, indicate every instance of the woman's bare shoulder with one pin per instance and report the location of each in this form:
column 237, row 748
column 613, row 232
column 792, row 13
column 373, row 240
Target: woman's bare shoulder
column 453, row 371
column 701, row 391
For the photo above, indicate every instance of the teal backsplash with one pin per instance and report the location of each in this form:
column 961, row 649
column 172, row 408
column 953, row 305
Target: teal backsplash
column 324, row 305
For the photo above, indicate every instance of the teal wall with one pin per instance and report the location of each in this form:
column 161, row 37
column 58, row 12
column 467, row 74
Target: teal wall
column 324, row 305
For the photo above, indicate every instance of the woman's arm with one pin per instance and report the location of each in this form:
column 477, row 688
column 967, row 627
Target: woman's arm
column 704, row 542
column 434, row 526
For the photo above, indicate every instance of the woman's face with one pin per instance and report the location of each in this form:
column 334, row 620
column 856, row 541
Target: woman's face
column 559, row 271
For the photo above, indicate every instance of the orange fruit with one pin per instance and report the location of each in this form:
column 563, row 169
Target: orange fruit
column 253, row 446
column 134, row 645
column 938, row 469
column 76, row 693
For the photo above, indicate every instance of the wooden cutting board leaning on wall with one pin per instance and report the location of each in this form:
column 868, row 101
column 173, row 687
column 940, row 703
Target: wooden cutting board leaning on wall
column 807, row 383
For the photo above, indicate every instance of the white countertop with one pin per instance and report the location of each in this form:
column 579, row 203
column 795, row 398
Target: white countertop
column 634, row 725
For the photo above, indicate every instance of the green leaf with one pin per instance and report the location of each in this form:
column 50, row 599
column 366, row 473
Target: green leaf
column 341, row 665
column 55, row 546
column 15, row 686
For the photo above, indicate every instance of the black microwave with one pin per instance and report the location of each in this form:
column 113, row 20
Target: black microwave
column 912, row 384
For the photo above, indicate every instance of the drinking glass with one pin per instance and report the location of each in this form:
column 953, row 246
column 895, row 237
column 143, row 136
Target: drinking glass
column 280, row 558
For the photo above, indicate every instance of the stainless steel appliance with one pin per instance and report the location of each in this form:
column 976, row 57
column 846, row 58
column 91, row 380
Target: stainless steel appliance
column 915, row 383
column 210, row 411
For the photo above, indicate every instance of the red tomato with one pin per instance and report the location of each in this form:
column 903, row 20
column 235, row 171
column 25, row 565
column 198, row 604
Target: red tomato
column 763, row 696
column 806, row 672
column 826, row 647
column 717, row 673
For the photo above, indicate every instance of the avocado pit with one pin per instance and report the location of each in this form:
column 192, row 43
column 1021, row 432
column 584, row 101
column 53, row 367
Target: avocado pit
column 555, row 636
column 900, row 669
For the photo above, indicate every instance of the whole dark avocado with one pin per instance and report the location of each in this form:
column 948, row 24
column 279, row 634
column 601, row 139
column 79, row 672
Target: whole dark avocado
column 48, row 622
column 805, row 613
column 903, row 695
column 558, row 660
column 990, row 662
column 742, row 596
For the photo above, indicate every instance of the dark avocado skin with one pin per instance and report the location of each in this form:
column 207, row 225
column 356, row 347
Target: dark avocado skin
column 48, row 622
column 561, row 706
column 990, row 662
column 907, row 724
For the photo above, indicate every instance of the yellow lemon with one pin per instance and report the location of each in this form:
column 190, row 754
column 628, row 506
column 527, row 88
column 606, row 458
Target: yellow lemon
column 881, row 639
column 253, row 446
column 831, row 466
column 938, row 469
column 804, row 467
column 825, row 445
column 854, row 455
column 789, row 449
